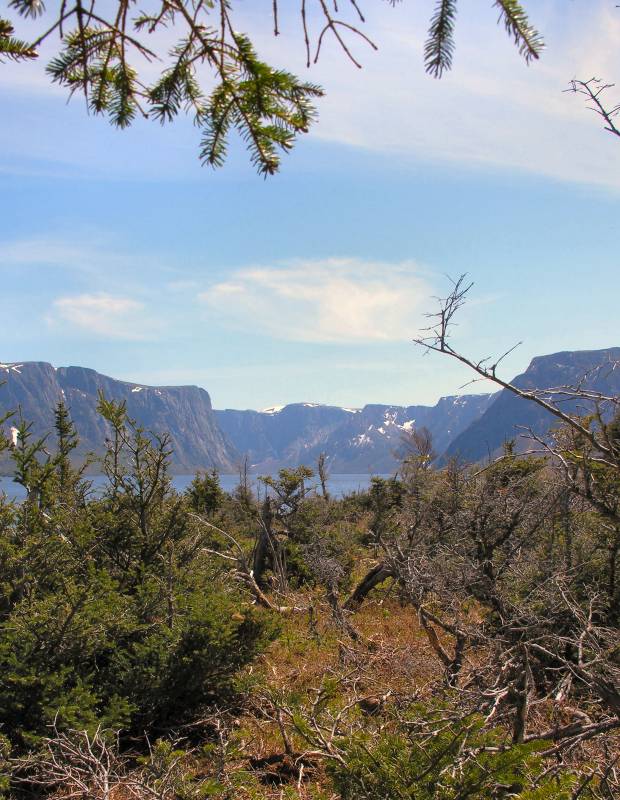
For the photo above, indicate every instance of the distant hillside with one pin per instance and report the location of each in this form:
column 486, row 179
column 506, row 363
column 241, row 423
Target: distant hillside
column 355, row 440
column 508, row 414
column 288, row 435
column 184, row 411
column 369, row 439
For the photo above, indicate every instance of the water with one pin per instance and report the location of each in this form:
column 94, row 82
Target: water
column 337, row 485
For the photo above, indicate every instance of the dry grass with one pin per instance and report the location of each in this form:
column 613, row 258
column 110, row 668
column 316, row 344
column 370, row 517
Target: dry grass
column 391, row 658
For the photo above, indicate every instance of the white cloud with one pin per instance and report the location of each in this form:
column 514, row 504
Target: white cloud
column 45, row 252
column 334, row 300
column 103, row 315
column 491, row 110
column 90, row 252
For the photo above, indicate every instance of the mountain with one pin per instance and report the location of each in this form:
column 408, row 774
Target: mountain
column 185, row 412
column 354, row 440
column 508, row 414
column 281, row 436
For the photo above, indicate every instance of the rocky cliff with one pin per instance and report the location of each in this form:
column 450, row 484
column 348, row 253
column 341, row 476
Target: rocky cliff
column 508, row 416
column 185, row 412
column 355, row 440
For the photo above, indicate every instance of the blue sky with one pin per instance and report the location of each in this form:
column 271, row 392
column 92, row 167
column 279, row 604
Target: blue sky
column 119, row 252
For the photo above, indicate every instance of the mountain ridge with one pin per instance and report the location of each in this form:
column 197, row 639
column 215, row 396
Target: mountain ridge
column 369, row 439
column 509, row 414
column 184, row 412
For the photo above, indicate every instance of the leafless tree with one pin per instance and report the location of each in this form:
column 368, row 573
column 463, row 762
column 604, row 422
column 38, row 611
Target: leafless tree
column 323, row 474
column 438, row 338
column 547, row 625
column 84, row 766
column 595, row 91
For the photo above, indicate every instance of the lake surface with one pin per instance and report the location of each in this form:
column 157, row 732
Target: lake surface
column 338, row 485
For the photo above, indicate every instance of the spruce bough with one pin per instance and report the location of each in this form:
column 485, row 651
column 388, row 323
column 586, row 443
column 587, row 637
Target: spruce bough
column 212, row 71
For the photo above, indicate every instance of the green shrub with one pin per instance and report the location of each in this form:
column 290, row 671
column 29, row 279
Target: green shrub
column 5, row 770
column 205, row 494
column 111, row 612
column 447, row 762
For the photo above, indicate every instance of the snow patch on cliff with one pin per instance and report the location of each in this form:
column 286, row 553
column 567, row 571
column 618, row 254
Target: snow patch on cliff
column 11, row 368
column 272, row 410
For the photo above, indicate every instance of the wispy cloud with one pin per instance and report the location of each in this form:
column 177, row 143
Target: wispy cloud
column 89, row 251
column 45, row 252
column 86, row 260
column 491, row 110
column 333, row 300
column 103, row 316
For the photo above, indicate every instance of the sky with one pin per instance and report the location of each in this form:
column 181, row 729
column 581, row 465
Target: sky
column 120, row 252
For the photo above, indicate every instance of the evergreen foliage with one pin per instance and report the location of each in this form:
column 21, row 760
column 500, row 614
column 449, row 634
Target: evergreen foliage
column 12, row 48
column 267, row 107
column 5, row 769
column 212, row 71
column 449, row 761
column 205, row 494
column 517, row 25
column 451, row 633
column 110, row 613
column 439, row 46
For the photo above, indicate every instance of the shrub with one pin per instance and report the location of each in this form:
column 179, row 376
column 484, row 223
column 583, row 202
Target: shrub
column 445, row 762
column 111, row 613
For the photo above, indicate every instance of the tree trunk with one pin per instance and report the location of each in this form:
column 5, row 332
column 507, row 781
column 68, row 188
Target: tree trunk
column 373, row 578
column 261, row 550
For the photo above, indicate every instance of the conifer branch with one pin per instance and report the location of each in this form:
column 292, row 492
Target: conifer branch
column 12, row 48
column 102, row 55
column 28, row 8
column 517, row 24
column 439, row 46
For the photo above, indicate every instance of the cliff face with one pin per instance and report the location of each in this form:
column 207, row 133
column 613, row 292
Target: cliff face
column 369, row 439
column 287, row 436
column 32, row 389
column 508, row 415
column 378, row 433
column 185, row 412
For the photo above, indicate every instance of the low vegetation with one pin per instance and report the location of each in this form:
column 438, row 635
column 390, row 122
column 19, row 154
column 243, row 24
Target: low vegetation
column 451, row 633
